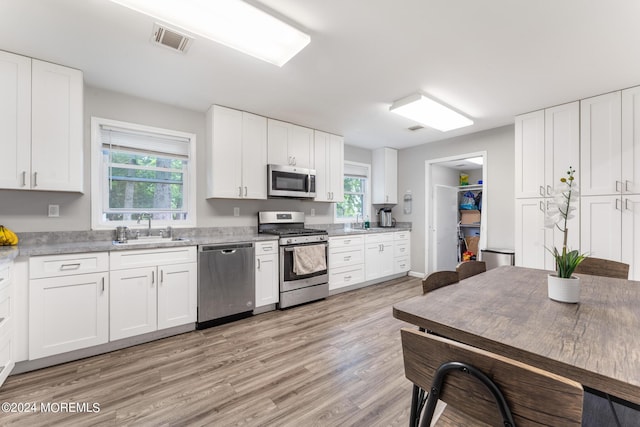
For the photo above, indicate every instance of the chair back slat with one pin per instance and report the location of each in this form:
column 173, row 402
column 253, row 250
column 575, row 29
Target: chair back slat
column 438, row 279
column 470, row 268
column 603, row 267
column 535, row 397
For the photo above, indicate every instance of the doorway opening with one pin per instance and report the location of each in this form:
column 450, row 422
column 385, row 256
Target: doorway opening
column 455, row 212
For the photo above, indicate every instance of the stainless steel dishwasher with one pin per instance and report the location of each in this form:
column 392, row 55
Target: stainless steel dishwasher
column 226, row 284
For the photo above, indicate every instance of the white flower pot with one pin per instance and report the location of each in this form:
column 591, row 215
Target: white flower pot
column 563, row 290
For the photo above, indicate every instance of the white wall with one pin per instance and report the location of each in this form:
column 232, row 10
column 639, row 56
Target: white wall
column 499, row 145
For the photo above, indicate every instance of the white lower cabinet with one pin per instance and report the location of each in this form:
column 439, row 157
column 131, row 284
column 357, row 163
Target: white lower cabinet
column 346, row 261
column 159, row 293
column 68, row 303
column 379, row 256
column 267, row 268
column 402, row 251
column 7, row 321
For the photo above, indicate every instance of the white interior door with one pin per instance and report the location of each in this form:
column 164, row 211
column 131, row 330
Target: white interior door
column 445, row 223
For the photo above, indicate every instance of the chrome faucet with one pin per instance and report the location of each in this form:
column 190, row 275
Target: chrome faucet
column 146, row 216
column 358, row 223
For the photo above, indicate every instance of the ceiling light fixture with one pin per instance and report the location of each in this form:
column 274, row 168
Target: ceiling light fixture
column 232, row 23
column 430, row 113
column 476, row 160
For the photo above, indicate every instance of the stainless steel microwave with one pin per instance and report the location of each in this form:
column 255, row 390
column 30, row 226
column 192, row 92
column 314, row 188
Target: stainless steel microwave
column 291, row 181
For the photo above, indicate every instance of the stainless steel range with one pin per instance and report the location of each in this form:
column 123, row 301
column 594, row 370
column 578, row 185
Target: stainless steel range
column 303, row 257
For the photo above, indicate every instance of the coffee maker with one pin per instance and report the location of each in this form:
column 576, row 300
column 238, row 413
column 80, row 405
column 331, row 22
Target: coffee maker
column 385, row 219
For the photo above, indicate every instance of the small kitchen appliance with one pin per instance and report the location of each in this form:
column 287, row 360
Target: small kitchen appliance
column 298, row 285
column 385, row 219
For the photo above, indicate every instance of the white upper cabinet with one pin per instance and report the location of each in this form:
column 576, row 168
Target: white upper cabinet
column 56, row 127
column 236, row 154
column 290, row 144
column 600, row 147
column 547, row 143
column 385, row 176
column 40, row 125
column 630, row 179
column 329, row 166
column 15, row 120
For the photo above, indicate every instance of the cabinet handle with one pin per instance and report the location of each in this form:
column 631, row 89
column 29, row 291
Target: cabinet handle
column 541, row 206
column 347, row 258
column 347, row 278
column 240, row 191
column 35, row 179
column 75, row 266
column 626, row 204
column 386, row 198
column 626, row 186
column 103, row 284
column 161, row 276
column 542, row 191
column 295, row 162
column 258, row 263
column 618, row 186
column 24, row 178
column 153, row 277
column 549, row 189
column 245, row 191
column 346, row 242
column 618, row 207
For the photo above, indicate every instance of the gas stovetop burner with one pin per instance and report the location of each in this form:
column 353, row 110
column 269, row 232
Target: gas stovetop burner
column 293, row 231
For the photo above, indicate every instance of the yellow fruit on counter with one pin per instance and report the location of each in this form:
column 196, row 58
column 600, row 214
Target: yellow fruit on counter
column 7, row 237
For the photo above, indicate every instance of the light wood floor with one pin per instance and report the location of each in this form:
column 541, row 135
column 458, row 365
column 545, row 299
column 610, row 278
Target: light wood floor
column 336, row 362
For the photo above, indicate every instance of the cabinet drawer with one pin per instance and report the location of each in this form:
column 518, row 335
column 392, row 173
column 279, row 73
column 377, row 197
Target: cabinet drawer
column 350, row 241
column 345, row 256
column 5, row 303
column 265, row 248
column 402, row 265
column 152, row 257
column 67, row 265
column 401, row 235
column 346, row 276
column 4, row 276
column 401, row 250
column 379, row 238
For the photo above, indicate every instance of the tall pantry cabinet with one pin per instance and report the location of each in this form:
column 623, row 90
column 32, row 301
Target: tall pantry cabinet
column 610, row 161
column 547, row 143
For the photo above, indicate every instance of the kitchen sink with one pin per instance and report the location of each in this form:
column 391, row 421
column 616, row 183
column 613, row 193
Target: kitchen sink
column 150, row 240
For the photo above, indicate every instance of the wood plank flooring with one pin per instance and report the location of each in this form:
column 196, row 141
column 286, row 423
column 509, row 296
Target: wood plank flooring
column 336, row 362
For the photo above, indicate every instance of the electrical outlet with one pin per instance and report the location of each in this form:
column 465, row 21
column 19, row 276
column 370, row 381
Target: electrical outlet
column 313, row 212
column 236, row 211
column 54, row 211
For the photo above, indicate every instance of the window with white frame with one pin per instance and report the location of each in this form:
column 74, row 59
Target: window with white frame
column 141, row 172
column 355, row 206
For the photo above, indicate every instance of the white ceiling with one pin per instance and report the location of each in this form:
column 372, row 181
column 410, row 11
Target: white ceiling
column 491, row 59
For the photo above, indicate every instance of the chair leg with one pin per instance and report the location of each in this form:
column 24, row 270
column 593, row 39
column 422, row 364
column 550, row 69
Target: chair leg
column 417, row 403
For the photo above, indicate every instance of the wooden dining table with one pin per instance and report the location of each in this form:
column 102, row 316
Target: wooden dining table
column 507, row 311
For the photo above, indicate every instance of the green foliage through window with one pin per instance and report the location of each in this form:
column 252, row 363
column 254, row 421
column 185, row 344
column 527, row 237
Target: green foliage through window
column 354, row 197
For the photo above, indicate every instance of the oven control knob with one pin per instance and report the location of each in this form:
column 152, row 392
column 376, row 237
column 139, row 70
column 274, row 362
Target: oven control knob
column 288, row 241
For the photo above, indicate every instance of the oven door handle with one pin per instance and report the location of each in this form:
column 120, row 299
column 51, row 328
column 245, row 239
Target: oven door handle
column 292, row 249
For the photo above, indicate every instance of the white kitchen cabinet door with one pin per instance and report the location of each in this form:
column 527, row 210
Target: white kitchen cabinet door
column 329, row 166
column 267, row 285
column 224, row 152
column 630, row 179
column 601, row 226
column 8, row 325
column 68, row 313
column 15, row 121
column 562, row 144
column 384, row 176
column 254, row 156
column 600, row 145
column 378, row 255
column 289, row 144
column 529, row 154
column 56, row 127
column 631, row 234
column 133, row 305
column 177, row 294
column 530, row 233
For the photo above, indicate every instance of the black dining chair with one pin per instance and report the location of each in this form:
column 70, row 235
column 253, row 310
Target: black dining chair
column 477, row 386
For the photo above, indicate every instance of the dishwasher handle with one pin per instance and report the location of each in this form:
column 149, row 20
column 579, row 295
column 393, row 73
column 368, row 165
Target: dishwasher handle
column 228, row 251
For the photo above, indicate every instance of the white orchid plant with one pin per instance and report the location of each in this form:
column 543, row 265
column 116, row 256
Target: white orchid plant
column 558, row 214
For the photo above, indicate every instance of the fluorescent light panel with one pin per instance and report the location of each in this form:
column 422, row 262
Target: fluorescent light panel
column 476, row 160
column 232, row 23
column 430, row 113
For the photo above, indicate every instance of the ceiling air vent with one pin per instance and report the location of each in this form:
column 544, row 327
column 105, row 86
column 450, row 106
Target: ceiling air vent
column 415, row 128
column 170, row 38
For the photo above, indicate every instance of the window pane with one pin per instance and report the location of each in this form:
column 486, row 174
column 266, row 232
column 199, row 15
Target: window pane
column 353, row 185
column 352, row 205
